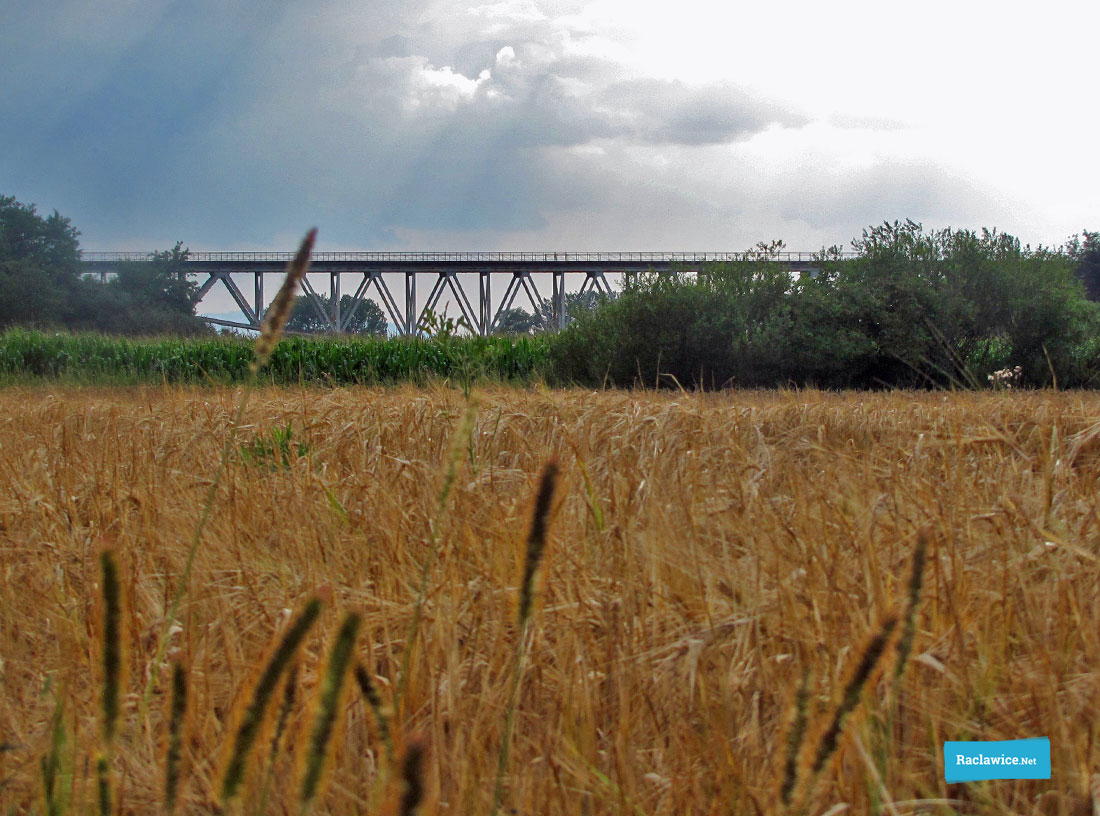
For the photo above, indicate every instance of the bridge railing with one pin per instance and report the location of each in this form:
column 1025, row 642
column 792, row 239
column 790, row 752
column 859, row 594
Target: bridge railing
column 491, row 257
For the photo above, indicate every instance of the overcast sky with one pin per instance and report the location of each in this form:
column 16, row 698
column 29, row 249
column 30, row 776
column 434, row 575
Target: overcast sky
column 607, row 125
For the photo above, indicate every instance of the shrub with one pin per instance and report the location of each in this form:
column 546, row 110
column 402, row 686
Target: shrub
column 914, row 308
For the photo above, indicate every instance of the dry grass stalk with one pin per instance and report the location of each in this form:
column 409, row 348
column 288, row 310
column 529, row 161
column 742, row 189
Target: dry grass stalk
column 253, row 717
column 51, row 764
column 283, row 304
column 458, row 440
column 328, row 703
column 273, row 326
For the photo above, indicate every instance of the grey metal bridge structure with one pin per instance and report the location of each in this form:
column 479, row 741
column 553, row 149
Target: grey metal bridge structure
column 448, row 272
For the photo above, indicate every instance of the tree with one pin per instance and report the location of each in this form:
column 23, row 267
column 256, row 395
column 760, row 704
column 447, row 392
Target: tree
column 520, row 321
column 516, row 321
column 160, row 283
column 367, row 319
column 1086, row 254
column 39, row 265
column 143, row 298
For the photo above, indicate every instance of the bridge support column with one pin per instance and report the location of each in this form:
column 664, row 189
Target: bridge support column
column 334, row 298
column 410, row 304
column 485, row 307
column 558, row 309
column 259, row 286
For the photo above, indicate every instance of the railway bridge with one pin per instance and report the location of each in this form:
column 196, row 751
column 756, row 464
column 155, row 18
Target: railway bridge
column 465, row 276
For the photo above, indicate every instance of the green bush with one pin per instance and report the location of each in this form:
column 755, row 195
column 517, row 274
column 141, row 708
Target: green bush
column 913, row 309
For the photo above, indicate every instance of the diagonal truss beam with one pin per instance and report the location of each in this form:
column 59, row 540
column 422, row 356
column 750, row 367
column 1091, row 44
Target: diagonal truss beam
column 318, row 304
column 520, row 281
column 246, row 310
column 401, row 307
column 361, row 295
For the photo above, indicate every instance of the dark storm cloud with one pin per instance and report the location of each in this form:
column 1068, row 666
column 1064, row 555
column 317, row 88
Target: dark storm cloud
column 674, row 113
column 236, row 125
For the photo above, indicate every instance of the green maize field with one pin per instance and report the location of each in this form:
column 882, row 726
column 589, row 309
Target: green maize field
column 97, row 359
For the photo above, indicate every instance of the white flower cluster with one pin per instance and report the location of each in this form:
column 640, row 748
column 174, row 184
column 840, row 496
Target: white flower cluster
column 1006, row 377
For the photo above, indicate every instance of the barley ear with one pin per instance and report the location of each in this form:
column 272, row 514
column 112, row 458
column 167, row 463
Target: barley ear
column 175, row 736
column 450, row 473
column 253, row 716
column 279, row 311
column 338, row 662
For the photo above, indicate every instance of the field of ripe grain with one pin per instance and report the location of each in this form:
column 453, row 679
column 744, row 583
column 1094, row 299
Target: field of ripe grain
column 705, row 554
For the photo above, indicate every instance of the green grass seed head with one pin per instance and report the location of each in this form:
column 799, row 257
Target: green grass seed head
column 412, row 777
column 252, row 719
column 916, row 582
column 103, row 785
column 279, row 311
column 339, row 660
column 174, row 756
column 849, row 700
column 536, row 538
column 112, row 642
column 370, row 694
column 794, row 739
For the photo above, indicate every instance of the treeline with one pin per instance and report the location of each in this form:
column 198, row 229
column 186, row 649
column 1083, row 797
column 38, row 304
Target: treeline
column 945, row 308
column 41, row 282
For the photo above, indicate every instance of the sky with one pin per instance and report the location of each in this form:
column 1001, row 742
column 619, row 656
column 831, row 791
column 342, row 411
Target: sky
column 553, row 126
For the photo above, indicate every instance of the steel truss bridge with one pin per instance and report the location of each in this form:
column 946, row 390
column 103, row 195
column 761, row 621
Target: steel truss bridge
column 517, row 271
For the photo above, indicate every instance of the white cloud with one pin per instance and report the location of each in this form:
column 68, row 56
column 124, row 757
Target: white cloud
column 444, row 86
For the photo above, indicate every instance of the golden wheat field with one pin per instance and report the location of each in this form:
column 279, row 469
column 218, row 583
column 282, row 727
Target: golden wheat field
column 716, row 570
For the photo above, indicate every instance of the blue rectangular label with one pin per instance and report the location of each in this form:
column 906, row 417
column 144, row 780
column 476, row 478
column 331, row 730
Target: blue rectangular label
column 1007, row 759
